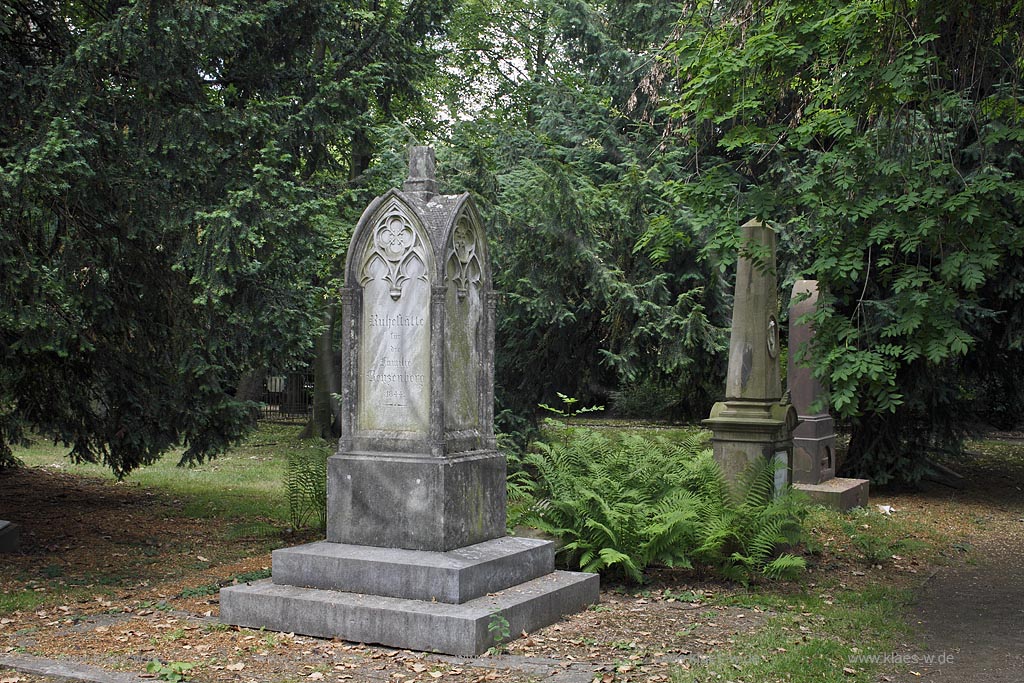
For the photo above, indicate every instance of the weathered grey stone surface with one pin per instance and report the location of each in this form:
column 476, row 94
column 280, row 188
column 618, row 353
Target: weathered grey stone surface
column 753, row 422
column 416, row 554
column 416, row 502
column 412, row 624
column 741, row 436
column 422, row 166
column 10, row 536
column 418, row 315
column 454, row 577
column 75, row 671
column 753, row 372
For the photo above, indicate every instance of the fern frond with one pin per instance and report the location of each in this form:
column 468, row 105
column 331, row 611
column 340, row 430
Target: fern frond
column 785, row 566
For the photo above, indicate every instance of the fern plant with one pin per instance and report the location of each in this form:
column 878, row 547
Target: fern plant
column 620, row 505
column 743, row 526
column 306, row 487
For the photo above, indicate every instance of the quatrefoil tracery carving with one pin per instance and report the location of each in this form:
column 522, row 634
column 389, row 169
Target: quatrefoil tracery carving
column 396, row 254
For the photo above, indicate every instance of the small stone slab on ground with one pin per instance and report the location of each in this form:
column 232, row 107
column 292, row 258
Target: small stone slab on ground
column 10, row 536
column 67, row 670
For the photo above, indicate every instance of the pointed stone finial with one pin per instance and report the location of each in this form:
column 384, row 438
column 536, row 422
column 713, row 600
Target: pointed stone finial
column 421, row 171
column 754, row 342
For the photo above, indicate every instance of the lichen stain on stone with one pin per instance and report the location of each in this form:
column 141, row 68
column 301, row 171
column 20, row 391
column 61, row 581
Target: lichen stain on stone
column 748, row 365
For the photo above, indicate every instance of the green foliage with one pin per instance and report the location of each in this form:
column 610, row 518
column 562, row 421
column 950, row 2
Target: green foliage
column 306, row 487
column 175, row 672
column 883, row 139
column 213, row 588
column 875, row 536
column 622, row 505
column 646, row 400
column 743, row 532
column 201, row 591
column 499, row 628
column 560, row 154
column 569, row 408
column 170, row 176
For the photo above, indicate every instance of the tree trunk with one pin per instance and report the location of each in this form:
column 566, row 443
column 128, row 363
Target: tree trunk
column 323, row 422
column 250, row 386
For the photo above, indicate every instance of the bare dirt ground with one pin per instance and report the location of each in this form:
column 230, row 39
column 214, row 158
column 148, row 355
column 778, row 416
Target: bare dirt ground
column 137, row 582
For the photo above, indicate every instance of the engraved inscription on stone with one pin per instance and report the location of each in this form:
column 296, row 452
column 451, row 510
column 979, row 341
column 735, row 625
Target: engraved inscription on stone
column 394, row 354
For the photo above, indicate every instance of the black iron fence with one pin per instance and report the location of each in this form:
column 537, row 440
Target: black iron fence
column 287, row 397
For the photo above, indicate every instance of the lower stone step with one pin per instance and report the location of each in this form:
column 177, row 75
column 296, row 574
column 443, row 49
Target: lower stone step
column 455, row 576
column 468, row 629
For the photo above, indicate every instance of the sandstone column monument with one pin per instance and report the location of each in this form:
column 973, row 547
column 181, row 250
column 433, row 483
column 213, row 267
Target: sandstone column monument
column 416, row 554
column 753, row 422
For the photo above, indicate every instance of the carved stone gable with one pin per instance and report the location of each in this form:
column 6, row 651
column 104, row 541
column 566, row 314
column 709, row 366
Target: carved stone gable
column 396, row 253
column 463, row 266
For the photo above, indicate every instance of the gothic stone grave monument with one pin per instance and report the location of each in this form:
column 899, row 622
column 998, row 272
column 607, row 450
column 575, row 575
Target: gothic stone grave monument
column 754, row 422
column 814, row 439
column 416, row 554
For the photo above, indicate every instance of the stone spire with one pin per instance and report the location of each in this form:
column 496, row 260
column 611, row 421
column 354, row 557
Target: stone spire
column 753, row 422
column 421, row 171
column 754, row 341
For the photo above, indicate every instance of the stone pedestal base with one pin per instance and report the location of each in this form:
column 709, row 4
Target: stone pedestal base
column 745, row 431
column 814, row 448
column 839, row 493
column 414, row 599
column 10, row 536
column 419, row 502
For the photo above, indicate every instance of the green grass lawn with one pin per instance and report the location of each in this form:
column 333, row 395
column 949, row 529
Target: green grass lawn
column 817, row 624
column 246, row 483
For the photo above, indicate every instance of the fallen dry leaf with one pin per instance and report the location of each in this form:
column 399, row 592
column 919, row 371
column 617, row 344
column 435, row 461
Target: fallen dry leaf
column 237, row 666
